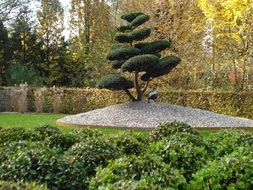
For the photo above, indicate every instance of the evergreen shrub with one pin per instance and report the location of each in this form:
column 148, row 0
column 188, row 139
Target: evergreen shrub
column 234, row 171
column 45, row 166
column 92, row 153
column 169, row 129
column 186, row 152
column 138, row 172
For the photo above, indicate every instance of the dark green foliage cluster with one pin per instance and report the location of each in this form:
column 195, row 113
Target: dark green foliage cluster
column 174, row 156
column 117, row 64
column 18, row 73
column 16, row 134
column 92, row 153
column 131, row 16
column 226, row 142
column 168, row 129
column 115, row 82
column 233, row 171
column 140, row 63
column 153, row 47
column 134, row 57
column 186, row 152
column 130, row 143
column 138, row 172
column 47, row 130
column 123, row 53
column 141, row 34
column 165, row 65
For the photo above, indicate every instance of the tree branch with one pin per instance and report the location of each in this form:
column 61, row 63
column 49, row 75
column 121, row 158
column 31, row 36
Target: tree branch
column 145, row 88
column 130, row 95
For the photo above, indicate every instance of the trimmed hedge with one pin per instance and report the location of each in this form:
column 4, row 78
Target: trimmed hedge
column 73, row 100
column 173, row 156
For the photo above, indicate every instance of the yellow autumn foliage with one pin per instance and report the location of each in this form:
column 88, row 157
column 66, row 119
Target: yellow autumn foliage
column 227, row 16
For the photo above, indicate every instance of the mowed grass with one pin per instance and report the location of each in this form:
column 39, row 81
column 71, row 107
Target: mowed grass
column 28, row 120
column 31, row 120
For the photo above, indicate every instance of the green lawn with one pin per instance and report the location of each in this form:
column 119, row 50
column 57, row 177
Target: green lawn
column 28, row 120
column 31, row 120
column 34, row 120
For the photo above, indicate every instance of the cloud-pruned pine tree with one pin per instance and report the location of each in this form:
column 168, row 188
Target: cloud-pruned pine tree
column 143, row 59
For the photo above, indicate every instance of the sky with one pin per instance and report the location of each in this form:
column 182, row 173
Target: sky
column 66, row 5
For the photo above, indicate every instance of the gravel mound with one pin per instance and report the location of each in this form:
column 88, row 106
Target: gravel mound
column 144, row 115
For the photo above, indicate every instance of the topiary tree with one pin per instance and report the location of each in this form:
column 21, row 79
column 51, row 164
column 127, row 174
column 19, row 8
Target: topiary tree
column 141, row 58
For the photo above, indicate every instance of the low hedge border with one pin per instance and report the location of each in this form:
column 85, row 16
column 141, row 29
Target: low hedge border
column 73, row 100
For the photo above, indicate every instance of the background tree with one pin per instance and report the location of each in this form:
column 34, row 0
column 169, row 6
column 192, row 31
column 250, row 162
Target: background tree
column 50, row 31
column 142, row 59
column 91, row 33
column 5, row 54
column 25, row 57
column 231, row 23
column 23, row 38
column 9, row 9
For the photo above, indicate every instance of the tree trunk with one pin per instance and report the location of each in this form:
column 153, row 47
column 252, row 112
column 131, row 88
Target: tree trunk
column 1, row 75
column 137, row 87
column 130, row 95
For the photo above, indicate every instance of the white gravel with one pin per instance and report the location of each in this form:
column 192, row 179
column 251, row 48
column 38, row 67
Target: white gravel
column 144, row 115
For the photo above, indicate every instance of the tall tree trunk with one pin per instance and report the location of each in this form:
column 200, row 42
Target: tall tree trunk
column 213, row 70
column 1, row 74
column 87, row 26
column 244, row 71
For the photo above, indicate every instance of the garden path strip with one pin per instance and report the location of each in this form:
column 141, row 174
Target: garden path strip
column 144, row 115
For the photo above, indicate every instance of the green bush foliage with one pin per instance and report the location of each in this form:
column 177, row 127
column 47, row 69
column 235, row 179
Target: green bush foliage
column 173, row 156
column 138, row 172
column 234, row 171
column 92, row 153
column 9, row 185
column 169, row 129
column 86, row 133
column 46, row 166
column 47, row 130
column 10, row 149
column 130, row 143
column 184, row 151
column 8, row 135
column 228, row 141
column 121, row 38
column 62, row 140
column 124, row 28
